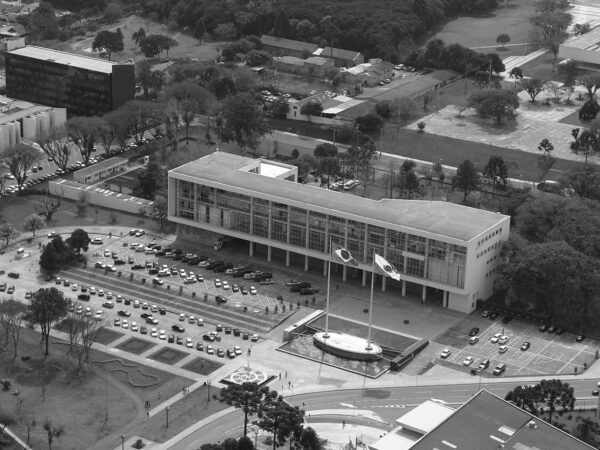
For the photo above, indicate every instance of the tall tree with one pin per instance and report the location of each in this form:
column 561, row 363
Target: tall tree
column 191, row 99
column 52, row 432
column 47, row 307
column 48, row 207
column 546, row 147
column 466, row 177
column 138, row 35
column 280, row 418
column 79, row 240
column 325, row 150
column 281, row 25
column 33, row 223
column 557, row 396
column 8, row 233
column 517, row 74
column 498, row 103
column 11, row 320
column 160, row 211
column 248, row 397
column 49, row 261
column 56, row 145
column 19, row 161
column 533, row 86
column 586, row 142
column 108, row 41
column 243, row 121
column 311, row 108
column 496, row 169
column 83, row 131
column 329, row 166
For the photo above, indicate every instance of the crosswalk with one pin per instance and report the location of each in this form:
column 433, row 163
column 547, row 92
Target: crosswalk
column 585, row 14
column 517, row 61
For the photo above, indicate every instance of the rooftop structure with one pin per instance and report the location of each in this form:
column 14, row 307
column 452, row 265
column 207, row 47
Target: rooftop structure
column 584, row 48
column 280, row 46
column 435, row 244
column 71, row 59
column 103, row 169
column 341, row 57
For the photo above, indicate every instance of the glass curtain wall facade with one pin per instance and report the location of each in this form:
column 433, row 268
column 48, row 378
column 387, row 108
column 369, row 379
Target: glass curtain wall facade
column 413, row 255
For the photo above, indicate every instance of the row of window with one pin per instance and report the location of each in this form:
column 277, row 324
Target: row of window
column 489, row 236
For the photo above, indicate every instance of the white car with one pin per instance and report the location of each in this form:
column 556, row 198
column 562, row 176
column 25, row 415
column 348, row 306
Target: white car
column 154, row 332
column 503, row 348
column 154, row 308
column 107, row 253
column 162, row 335
column 253, row 290
column 496, row 337
column 92, row 290
column 189, row 343
column 237, row 350
column 210, row 350
column 101, row 293
column 109, row 295
column 182, row 273
column 125, row 323
column 445, row 353
column 468, row 361
column 218, row 283
column 181, row 317
column 74, row 287
column 255, row 338
column 98, row 315
column 134, row 326
column 88, row 311
column 503, row 340
column 190, row 279
column 191, row 319
column 225, row 285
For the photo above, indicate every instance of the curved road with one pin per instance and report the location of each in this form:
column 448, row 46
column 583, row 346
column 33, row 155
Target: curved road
column 386, row 402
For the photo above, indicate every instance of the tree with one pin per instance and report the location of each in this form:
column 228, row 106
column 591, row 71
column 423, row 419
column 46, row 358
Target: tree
column 545, row 146
column 498, row 103
column 160, row 211
column 589, row 110
column 329, row 166
column 585, row 182
column 279, row 108
column 281, row 25
column 19, row 161
column 153, row 45
column 466, row 177
column 43, row 23
column 525, row 397
column 47, row 306
column 551, row 29
column 516, row 73
column 503, row 39
column 138, row 35
column 256, row 58
column 226, row 31
column 325, row 150
column 48, row 207
column 556, row 89
column 199, row 30
column 8, row 233
column 581, row 28
column 311, row 108
column 242, row 121
column 191, row 99
column 556, row 396
column 11, row 321
column 403, row 109
column 83, row 131
column 52, row 432
column 586, row 142
column 496, row 169
column 108, row 41
column 533, row 87
column 310, row 440
column 49, row 260
column 83, row 332
column 79, row 240
column 56, row 146
column 248, row 397
column 33, row 223
column 586, row 430
column 278, row 417
column 369, row 122
column 592, row 84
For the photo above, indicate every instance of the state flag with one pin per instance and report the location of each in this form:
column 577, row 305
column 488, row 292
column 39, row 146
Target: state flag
column 345, row 256
column 386, row 267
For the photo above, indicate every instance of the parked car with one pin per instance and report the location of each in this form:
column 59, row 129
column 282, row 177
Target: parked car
column 178, row 328
column 499, row 369
column 474, row 331
column 220, row 299
column 525, row 346
column 309, row 291
column 445, row 353
column 468, row 361
column 484, row 364
column 503, row 349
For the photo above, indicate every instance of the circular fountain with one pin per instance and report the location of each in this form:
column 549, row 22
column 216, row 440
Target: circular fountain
column 346, row 345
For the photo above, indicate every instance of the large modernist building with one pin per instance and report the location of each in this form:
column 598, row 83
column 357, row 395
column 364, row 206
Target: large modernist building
column 85, row 86
column 448, row 251
column 583, row 49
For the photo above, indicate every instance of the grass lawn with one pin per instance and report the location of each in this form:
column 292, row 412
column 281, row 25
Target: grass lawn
column 106, row 336
column 543, row 67
column 77, row 404
column 168, row 355
column 136, row 346
column 569, row 421
column 187, row 411
column 202, row 366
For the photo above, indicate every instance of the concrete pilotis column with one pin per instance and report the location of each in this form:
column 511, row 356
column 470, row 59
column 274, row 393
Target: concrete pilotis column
column 324, row 268
column 383, row 283
column 287, row 258
column 269, row 253
column 403, row 288
column 424, row 294
column 251, row 249
column 364, row 278
column 306, row 263
column 344, row 273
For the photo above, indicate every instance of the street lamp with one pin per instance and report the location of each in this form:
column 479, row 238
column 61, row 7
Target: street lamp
column 256, row 437
column 122, row 442
column 167, row 411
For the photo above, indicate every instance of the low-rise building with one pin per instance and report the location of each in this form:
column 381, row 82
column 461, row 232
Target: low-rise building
column 97, row 172
column 341, row 57
column 126, row 182
column 314, row 66
column 287, row 47
column 336, row 108
column 583, row 49
column 368, row 74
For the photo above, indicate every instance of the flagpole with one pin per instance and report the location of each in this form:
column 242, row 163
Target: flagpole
column 369, row 347
column 326, row 335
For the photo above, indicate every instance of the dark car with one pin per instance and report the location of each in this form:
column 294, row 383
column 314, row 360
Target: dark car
column 123, row 313
column 484, row 364
column 119, row 262
column 199, row 346
column 2, row 287
column 543, row 328
column 493, row 315
column 299, row 286
column 128, row 301
column 220, row 299
column 474, row 331
column 171, row 338
column 177, row 256
column 559, row 331
column 138, row 266
column 162, row 311
column 209, row 337
column 230, row 353
column 10, row 290
column 236, row 331
column 525, row 346
column 146, row 315
column 227, row 330
column 179, row 340
column 308, row 291
column 13, row 275
column 580, row 338
column 153, row 271
column 178, row 328
column 213, row 264
column 507, row 319
column 143, row 330
column 84, row 297
column 109, row 305
column 220, row 353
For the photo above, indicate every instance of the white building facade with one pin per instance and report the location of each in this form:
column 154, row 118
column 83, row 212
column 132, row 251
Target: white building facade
column 447, row 251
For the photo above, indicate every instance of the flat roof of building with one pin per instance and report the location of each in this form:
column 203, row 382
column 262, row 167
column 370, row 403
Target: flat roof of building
column 64, row 58
column 425, row 417
column 589, row 41
column 287, row 44
column 12, row 109
column 128, row 179
column 340, row 53
column 486, row 422
column 408, row 87
column 102, row 165
column 438, row 218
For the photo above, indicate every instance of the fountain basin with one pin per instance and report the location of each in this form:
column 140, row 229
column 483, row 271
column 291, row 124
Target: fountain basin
column 346, row 346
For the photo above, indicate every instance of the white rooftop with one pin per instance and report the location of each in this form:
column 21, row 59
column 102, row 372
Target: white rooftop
column 425, row 417
column 71, row 59
column 271, row 170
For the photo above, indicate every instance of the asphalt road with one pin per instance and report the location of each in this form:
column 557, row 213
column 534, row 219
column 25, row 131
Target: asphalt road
column 388, row 403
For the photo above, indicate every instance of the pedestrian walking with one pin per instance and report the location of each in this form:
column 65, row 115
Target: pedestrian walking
column 110, row 235
column 343, row 424
column 289, row 384
column 286, row 373
column 159, row 395
column 280, row 375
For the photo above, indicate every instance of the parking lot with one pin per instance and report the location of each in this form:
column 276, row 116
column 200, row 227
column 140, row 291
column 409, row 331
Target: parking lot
column 547, row 354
